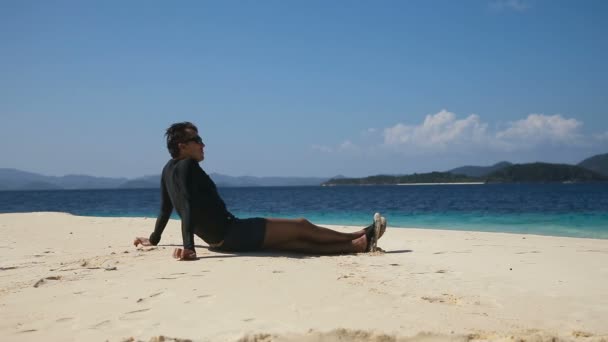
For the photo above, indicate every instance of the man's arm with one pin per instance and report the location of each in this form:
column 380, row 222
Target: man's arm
column 189, row 181
column 190, row 186
column 166, row 207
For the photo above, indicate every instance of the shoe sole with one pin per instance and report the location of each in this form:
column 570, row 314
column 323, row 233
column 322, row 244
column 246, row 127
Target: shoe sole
column 377, row 228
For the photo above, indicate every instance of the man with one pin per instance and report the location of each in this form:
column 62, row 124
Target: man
column 188, row 189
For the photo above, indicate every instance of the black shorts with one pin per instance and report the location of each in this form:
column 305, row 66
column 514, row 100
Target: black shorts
column 244, row 235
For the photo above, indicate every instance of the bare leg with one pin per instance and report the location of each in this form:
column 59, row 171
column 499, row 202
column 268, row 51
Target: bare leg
column 302, row 246
column 286, row 230
column 300, row 235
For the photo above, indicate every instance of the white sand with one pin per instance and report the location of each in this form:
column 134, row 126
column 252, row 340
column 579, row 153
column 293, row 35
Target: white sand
column 429, row 285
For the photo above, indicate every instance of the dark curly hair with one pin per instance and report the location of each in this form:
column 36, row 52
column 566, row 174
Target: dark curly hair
column 178, row 133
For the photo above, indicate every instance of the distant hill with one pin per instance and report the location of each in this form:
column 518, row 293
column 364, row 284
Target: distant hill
column 416, row 178
column 597, row 163
column 479, row 171
column 544, row 172
column 589, row 170
column 145, row 182
column 517, row 173
column 13, row 179
column 89, row 182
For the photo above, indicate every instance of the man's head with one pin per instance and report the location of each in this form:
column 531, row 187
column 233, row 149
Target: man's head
column 183, row 141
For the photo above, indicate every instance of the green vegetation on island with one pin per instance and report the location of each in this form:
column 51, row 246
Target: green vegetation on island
column 479, row 171
column 598, row 163
column 511, row 173
column 416, row 178
column 544, row 172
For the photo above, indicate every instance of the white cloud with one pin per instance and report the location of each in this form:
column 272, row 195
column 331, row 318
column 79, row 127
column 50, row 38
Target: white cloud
column 438, row 131
column 322, row 148
column 513, row 5
column 346, row 145
column 446, row 135
column 444, row 131
column 539, row 128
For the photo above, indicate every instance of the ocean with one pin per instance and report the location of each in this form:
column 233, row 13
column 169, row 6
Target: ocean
column 576, row 210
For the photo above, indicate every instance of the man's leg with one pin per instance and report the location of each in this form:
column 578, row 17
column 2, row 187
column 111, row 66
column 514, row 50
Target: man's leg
column 285, row 230
column 300, row 235
column 301, row 246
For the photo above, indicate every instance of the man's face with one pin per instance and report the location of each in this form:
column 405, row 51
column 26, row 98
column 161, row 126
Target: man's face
column 193, row 148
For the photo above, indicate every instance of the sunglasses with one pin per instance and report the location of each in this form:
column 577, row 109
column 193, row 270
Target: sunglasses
column 197, row 139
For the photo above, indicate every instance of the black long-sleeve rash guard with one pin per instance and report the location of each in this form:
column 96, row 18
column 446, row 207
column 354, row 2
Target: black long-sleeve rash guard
column 185, row 186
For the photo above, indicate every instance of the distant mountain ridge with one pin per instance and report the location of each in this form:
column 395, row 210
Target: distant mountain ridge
column 516, row 173
column 479, row 171
column 597, row 163
column 13, row 179
column 502, row 172
column 544, row 172
column 594, row 168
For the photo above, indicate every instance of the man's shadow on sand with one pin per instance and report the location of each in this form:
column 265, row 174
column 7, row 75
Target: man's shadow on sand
column 294, row 255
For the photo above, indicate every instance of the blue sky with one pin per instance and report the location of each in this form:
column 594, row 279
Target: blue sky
column 301, row 88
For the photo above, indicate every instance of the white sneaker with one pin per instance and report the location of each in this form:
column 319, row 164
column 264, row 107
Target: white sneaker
column 376, row 236
column 383, row 226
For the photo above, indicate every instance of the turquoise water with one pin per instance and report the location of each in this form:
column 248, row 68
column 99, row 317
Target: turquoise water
column 577, row 210
column 590, row 225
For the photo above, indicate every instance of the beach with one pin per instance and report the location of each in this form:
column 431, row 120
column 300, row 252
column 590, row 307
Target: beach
column 78, row 278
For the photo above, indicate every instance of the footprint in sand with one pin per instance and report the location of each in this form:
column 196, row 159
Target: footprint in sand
column 445, row 298
column 43, row 280
column 8, row 268
column 150, row 296
column 136, row 311
column 100, row 324
column 64, row 319
column 578, row 333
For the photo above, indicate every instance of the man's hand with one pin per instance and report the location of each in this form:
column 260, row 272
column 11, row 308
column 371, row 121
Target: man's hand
column 143, row 241
column 184, row 254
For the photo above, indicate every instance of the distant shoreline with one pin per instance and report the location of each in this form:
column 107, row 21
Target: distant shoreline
column 404, row 184
column 463, row 183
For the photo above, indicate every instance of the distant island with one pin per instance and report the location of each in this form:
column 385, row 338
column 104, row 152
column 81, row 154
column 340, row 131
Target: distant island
column 596, row 170
column 592, row 169
column 516, row 173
